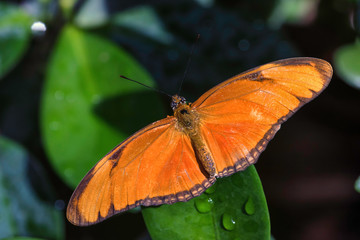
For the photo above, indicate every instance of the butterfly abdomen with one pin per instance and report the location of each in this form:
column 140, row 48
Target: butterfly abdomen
column 188, row 121
column 204, row 155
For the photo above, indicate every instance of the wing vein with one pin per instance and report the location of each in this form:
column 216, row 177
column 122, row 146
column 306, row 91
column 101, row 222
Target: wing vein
column 141, row 154
column 270, row 93
column 143, row 150
column 237, row 97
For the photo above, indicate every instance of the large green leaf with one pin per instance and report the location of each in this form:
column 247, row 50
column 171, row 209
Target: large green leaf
column 234, row 208
column 22, row 213
column 87, row 109
column 14, row 35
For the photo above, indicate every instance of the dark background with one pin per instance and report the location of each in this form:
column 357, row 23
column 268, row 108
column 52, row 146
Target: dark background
column 308, row 170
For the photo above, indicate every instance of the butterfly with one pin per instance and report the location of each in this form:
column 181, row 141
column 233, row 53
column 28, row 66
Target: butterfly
column 179, row 157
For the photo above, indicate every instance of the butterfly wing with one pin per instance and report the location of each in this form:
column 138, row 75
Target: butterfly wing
column 241, row 115
column 156, row 165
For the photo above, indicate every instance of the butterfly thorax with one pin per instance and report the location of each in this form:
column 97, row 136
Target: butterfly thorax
column 187, row 117
column 188, row 121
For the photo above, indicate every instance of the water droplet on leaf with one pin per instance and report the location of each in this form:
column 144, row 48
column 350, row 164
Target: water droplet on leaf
column 38, row 28
column 204, row 205
column 228, row 222
column 249, row 206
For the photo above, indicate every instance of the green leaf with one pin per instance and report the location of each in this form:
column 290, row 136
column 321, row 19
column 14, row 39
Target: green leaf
column 347, row 64
column 92, row 14
column 21, row 211
column 292, row 11
column 22, row 238
column 87, row 109
column 144, row 20
column 234, row 208
column 14, row 35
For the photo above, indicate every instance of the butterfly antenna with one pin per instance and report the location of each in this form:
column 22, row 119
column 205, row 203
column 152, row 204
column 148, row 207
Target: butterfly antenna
column 188, row 62
column 155, row 89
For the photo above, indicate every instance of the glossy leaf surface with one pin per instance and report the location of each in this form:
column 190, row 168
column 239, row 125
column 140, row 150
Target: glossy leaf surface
column 219, row 213
column 87, row 109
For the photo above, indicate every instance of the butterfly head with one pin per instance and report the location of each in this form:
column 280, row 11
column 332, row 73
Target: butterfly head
column 176, row 101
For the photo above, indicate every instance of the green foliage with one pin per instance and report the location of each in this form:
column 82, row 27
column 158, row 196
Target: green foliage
column 21, row 210
column 87, row 109
column 143, row 20
column 291, row 11
column 23, row 238
column 234, row 208
column 347, row 64
column 14, row 36
column 92, row 14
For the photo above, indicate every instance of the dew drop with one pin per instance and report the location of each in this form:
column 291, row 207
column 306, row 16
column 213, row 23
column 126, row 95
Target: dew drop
column 249, row 207
column 38, row 28
column 204, row 205
column 210, row 190
column 228, row 222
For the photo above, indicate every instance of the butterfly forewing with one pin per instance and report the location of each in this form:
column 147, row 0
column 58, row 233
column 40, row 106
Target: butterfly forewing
column 241, row 115
column 157, row 165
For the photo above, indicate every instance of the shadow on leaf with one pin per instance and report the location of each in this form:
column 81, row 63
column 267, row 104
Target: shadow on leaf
column 128, row 113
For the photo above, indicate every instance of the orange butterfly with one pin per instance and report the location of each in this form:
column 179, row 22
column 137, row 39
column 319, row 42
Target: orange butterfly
column 224, row 131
